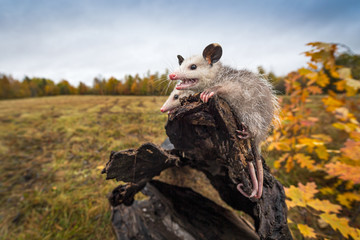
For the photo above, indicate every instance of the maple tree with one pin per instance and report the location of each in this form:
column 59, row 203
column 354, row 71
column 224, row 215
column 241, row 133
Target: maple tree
column 327, row 153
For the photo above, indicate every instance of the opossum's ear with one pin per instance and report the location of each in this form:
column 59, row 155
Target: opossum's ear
column 212, row 53
column 180, row 58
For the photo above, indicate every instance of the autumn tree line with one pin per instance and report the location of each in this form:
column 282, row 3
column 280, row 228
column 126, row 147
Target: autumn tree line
column 151, row 84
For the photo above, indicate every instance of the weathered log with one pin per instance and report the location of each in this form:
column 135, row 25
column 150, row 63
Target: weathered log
column 215, row 150
column 174, row 212
column 204, row 137
column 139, row 166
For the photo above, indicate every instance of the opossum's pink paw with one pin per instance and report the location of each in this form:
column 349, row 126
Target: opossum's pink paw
column 206, row 95
column 243, row 133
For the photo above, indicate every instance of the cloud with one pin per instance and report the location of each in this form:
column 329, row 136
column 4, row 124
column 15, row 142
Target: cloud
column 78, row 40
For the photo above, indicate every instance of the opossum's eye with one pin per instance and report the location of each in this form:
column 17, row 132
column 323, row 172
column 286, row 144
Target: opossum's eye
column 176, row 96
column 193, row 67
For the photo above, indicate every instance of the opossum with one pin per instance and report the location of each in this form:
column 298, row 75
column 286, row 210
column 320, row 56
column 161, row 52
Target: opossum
column 249, row 95
column 174, row 99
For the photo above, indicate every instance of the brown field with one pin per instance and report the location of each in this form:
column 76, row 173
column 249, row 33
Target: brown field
column 52, row 151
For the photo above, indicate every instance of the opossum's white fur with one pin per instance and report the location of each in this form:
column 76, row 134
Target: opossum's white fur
column 250, row 95
column 173, row 100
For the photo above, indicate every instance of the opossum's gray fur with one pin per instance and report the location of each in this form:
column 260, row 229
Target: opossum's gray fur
column 250, row 95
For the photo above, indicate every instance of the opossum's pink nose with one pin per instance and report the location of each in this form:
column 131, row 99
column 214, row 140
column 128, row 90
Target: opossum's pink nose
column 162, row 109
column 173, row 76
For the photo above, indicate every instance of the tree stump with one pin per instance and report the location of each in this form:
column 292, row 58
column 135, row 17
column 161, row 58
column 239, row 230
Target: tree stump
column 202, row 136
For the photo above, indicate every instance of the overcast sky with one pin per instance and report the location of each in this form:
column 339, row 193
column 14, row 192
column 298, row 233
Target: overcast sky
column 79, row 40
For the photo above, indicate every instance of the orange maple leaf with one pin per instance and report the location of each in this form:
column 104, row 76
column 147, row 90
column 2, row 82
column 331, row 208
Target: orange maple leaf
column 304, row 161
column 344, row 171
column 351, row 150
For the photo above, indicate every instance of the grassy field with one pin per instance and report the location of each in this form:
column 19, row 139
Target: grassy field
column 52, row 151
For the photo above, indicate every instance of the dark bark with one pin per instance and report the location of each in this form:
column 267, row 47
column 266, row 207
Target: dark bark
column 215, row 150
column 174, row 212
column 139, row 166
column 204, row 137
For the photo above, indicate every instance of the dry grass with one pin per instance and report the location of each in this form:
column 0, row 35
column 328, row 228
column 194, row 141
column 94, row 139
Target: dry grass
column 52, row 151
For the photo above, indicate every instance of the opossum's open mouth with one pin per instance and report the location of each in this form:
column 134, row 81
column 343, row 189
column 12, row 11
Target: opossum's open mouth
column 186, row 83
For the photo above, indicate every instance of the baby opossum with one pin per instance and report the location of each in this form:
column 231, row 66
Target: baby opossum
column 174, row 99
column 249, row 95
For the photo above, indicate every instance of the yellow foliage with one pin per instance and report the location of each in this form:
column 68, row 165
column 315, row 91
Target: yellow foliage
column 340, row 85
column 304, row 71
column 313, row 66
column 277, row 164
column 322, row 137
column 298, row 199
column 341, row 224
column 280, row 146
column 355, row 136
column 310, row 143
column 322, row 79
column 303, row 196
column 310, row 189
column 347, row 127
column 289, row 165
column 345, row 199
column 299, row 146
column 324, row 205
column 306, row 231
column 332, row 103
column 322, row 153
column 327, row 191
column 304, row 161
column 300, row 195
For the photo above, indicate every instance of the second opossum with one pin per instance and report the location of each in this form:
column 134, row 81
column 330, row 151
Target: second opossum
column 249, row 95
column 174, row 99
